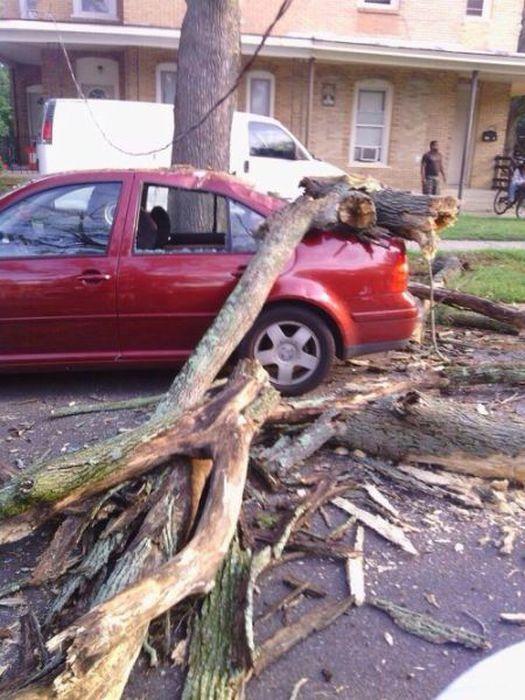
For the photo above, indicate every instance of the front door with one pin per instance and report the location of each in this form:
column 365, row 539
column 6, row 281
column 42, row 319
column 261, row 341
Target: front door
column 183, row 262
column 58, row 266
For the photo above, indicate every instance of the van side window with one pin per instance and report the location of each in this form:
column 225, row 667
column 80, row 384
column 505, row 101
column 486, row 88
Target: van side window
column 244, row 222
column 73, row 220
column 268, row 140
column 174, row 220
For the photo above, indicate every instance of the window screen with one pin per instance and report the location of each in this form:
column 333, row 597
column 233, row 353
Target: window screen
column 71, row 220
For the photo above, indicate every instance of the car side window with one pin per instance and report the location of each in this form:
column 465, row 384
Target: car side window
column 72, row 220
column 268, row 140
column 244, row 222
column 174, row 220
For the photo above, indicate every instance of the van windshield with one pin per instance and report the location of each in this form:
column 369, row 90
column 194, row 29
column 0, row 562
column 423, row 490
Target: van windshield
column 270, row 141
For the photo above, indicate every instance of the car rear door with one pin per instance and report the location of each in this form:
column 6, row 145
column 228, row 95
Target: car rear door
column 59, row 245
column 169, row 295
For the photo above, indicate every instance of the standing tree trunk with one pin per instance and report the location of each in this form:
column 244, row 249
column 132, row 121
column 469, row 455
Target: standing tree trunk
column 207, row 65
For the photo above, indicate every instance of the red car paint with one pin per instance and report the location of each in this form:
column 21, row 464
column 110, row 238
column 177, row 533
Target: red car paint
column 124, row 308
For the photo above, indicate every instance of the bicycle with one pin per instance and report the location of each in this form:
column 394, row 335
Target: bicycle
column 503, row 204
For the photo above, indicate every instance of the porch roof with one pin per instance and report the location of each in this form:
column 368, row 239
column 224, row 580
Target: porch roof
column 21, row 41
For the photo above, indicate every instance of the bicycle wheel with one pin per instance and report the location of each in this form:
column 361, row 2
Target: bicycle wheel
column 520, row 208
column 501, row 202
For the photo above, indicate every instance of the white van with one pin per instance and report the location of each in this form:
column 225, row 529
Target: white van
column 85, row 135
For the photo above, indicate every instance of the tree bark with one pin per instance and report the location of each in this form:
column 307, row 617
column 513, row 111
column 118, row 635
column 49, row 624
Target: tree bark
column 487, row 373
column 499, row 312
column 35, row 496
column 414, row 217
column 193, row 569
column 458, row 318
column 452, row 435
column 208, row 63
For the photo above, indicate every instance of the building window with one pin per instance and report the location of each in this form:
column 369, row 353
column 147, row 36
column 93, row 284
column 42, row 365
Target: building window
column 379, row 5
column 166, row 74
column 28, row 9
column 260, row 92
column 371, row 122
column 95, row 9
column 478, row 8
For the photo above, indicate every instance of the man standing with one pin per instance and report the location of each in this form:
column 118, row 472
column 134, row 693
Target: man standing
column 431, row 169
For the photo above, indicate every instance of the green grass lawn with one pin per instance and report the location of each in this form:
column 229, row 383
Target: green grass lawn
column 486, row 228
column 496, row 274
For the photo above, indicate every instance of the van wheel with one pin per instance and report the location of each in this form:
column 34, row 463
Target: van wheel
column 294, row 346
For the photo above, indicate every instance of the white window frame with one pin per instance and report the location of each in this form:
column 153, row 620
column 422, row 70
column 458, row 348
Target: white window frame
column 371, row 6
column 110, row 16
column 486, row 13
column 261, row 75
column 389, row 99
column 167, row 66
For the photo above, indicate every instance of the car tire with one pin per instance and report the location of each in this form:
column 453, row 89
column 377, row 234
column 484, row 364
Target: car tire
column 294, row 345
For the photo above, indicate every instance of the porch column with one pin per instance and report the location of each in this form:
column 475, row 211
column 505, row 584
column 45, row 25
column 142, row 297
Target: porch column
column 474, row 85
column 310, row 101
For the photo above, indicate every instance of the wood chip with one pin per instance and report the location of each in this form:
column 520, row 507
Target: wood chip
column 390, row 532
column 355, row 572
column 379, row 498
column 513, row 618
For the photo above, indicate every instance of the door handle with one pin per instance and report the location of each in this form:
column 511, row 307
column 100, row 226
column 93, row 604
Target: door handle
column 93, row 277
column 239, row 272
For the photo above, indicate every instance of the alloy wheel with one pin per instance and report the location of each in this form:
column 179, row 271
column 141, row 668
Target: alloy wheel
column 289, row 351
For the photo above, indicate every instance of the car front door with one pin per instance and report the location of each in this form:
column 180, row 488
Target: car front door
column 58, row 266
column 178, row 268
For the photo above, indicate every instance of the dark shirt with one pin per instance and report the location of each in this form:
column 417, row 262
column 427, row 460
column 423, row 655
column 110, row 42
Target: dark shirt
column 432, row 164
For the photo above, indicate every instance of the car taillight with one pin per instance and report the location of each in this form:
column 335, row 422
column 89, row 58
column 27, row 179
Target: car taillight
column 47, row 124
column 400, row 274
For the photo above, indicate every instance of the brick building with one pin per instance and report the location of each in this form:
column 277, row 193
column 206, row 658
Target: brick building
column 366, row 84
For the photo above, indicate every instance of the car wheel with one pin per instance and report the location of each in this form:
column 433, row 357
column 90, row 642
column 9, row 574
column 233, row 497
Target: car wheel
column 501, row 202
column 294, row 345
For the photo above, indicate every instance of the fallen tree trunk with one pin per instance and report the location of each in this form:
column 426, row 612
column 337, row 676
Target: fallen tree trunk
column 44, row 490
column 499, row 312
column 191, row 572
column 458, row 318
column 455, row 436
column 486, row 373
column 51, row 489
column 410, row 216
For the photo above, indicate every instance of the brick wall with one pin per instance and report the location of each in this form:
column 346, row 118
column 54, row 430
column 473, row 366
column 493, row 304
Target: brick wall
column 419, row 21
column 492, row 113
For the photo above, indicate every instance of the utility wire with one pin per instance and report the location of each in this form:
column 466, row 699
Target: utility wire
column 283, row 8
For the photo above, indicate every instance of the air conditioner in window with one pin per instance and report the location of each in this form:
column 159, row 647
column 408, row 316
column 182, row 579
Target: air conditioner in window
column 369, row 154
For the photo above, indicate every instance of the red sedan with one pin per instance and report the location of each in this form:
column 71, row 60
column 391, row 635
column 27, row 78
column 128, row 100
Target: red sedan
column 121, row 268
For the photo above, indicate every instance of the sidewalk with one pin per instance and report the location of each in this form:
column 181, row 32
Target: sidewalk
column 475, row 245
